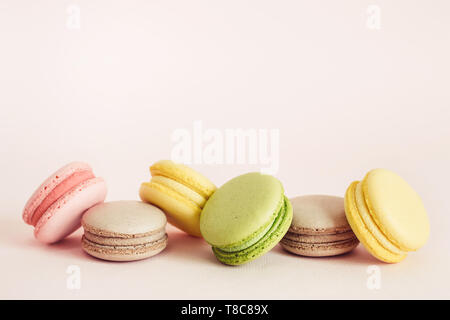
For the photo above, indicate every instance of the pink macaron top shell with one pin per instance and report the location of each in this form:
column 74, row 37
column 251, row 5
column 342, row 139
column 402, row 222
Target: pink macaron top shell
column 64, row 215
column 69, row 183
column 49, row 185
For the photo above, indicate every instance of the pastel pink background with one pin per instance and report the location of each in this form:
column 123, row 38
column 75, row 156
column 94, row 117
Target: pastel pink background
column 345, row 99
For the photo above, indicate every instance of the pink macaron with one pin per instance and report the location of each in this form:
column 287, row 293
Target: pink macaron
column 56, row 207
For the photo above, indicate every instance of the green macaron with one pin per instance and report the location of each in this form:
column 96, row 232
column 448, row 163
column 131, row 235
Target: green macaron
column 245, row 218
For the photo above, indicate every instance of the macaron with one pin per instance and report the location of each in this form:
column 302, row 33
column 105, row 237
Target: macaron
column 319, row 227
column 245, row 218
column 56, row 207
column 387, row 215
column 124, row 231
column 180, row 191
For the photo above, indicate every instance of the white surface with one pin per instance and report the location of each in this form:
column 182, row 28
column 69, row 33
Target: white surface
column 345, row 99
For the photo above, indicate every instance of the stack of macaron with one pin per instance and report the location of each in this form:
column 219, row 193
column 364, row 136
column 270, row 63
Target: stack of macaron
column 241, row 220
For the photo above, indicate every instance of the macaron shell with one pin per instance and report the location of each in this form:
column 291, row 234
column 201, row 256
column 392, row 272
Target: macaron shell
column 179, row 188
column 184, row 175
column 181, row 213
column 362, row 232
column 241, row 209
column 397, row 209
column 64, row 216
column 123, row 253
column 61, row 189
column 49, row 184
column 132, row 241
column 124, row 219
column 322, row 214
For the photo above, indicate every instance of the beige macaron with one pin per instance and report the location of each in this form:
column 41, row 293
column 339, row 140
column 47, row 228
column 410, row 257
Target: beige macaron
column 124, row 231
column 319, row 227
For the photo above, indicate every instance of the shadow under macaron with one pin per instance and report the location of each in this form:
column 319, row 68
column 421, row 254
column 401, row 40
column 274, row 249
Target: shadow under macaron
column 69, row 247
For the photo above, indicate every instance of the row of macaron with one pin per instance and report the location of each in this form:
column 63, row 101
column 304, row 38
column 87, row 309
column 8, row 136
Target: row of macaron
column 241, row 220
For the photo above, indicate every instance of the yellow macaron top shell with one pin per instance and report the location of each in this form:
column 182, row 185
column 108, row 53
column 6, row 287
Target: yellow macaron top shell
column 184, row 175
column 396, row 209
column 167, row 191
column 179, row 188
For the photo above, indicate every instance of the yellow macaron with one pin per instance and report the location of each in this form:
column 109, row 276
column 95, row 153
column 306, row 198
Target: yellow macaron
column 387, row 215
column 180, row 191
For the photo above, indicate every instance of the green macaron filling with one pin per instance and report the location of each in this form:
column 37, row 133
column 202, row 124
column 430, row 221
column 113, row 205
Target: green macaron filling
column 262, row 242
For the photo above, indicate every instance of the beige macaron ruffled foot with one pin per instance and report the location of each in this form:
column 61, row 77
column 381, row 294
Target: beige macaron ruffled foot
column 124, row 231
column 319, row 227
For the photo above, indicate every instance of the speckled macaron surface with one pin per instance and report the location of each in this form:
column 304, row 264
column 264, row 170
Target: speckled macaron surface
column 319, row 227
column 124, row 231
column 245, row 218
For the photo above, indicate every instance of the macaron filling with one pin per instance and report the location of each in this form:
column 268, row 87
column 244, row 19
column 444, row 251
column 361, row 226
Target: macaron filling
column 263, row 244
column 135, row 240
column 324, row 238
column 330, row 244
column 125, row 249
column 60, row 190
